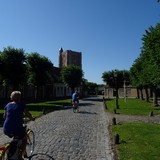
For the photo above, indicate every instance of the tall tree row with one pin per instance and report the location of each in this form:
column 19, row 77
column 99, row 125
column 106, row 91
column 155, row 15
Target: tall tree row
column 18, row 68
column 145, row 72
column 13, row 68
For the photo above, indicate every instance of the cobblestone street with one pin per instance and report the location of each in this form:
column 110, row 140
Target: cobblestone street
column 73, row 136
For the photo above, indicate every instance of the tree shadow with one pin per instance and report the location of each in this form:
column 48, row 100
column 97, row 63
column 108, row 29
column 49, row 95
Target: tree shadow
column 85, row 104
column 93, row 99
column 85, row 112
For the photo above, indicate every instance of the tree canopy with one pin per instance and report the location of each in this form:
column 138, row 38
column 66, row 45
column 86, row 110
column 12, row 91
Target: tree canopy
column 13, row 69
column 145, row 70
column 115, row 77
column 72, row 76
column 18, row 68
column 39, row 69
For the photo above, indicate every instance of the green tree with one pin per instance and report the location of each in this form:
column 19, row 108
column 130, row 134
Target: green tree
column 72, row 76
column 91, row 88
column 116, row 77
column 13, row 69
column 39, row 70
column 145, row 70
column 151, row 58
column 107, row 77
column 136, row 77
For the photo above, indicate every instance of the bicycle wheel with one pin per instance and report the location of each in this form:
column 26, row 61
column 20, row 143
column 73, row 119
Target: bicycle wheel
column 4, row 156
column 30, row 142
column 75, row 108
column 5, row 153
column 40, row 156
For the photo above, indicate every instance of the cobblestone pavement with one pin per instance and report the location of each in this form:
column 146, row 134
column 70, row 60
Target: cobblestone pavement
column 73, row 136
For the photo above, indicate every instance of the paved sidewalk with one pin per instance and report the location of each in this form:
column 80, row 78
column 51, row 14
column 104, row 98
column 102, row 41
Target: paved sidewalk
column 73, row 136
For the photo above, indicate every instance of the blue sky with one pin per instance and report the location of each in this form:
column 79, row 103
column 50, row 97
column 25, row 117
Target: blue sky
column 107, row 32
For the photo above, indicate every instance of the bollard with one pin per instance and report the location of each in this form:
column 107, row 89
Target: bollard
column 44, row 111
column 105, row 105
column 116, row 139
column 115, row 111
column 114, row 121
column 151, row 114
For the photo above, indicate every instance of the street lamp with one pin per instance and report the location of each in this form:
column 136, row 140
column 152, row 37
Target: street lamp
column 124, row 85
column 116, row 87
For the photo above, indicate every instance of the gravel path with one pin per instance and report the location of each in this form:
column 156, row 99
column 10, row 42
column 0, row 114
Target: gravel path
column 121, row 119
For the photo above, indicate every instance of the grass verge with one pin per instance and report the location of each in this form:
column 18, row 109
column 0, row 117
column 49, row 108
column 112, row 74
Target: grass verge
column 37, row 109
column 132, row 107
column 138, row 141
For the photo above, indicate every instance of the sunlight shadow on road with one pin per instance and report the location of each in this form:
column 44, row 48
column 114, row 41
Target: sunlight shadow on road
column 85, row 112
column 86, row 104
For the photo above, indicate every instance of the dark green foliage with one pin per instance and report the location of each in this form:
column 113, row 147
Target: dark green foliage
column 111, row 79
column 39, row 69
column 13, row 69
column 145, row 70
column 91, row 87
column 1, row 119
column 72, row 76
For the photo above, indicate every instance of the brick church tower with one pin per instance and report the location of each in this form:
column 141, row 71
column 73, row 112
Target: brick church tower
column 70, row 57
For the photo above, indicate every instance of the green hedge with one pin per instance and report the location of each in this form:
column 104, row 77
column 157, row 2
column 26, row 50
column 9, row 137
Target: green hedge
column 1, row 119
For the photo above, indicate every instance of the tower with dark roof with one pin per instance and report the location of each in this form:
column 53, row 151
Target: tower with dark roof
column 70, row 57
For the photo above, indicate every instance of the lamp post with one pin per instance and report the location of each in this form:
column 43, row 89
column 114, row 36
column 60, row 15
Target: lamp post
column 124, row 90
column 124, row 86
column 116, row 87
column 82, row 89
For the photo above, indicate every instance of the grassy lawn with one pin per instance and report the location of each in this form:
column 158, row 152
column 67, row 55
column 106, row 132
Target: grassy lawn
column 37, row 109
column 132, row 107
column 48, row 105
column 138, row 141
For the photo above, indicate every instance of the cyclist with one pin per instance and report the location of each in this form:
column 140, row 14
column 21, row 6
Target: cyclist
column 75, row 98
column 13, row 123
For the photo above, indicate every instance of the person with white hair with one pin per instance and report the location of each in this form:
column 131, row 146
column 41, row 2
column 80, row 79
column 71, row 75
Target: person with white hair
column 13, row 115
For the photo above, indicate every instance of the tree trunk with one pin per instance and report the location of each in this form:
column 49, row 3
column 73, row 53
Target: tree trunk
column 5, row 92
column 35, row 92
column 155, row 102
column 141, row 92
column 138, row 93
column 147, row 95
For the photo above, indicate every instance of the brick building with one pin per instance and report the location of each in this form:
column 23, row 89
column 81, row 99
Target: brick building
column 70, row 57
column 53, row 89
column 122, row 92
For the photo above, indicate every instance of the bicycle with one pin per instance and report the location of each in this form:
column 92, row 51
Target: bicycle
column 40, row 156
column 75, row 106
column 14, row 148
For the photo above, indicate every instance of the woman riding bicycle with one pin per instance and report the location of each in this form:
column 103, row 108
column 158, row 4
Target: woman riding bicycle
column 13, row 115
